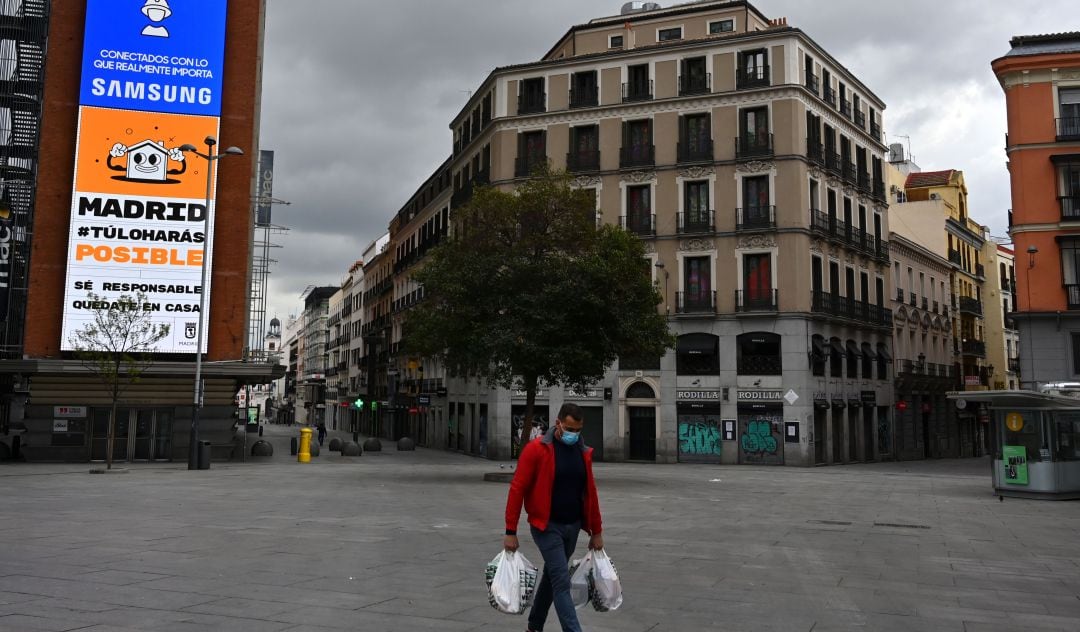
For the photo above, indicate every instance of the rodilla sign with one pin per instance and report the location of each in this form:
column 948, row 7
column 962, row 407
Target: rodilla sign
column 151, row 82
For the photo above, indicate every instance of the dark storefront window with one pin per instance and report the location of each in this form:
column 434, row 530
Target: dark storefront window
column 759, row 354
column 698, row 354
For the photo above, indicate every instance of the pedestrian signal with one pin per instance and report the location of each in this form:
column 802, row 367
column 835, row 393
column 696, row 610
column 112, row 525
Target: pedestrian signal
column 359, row 403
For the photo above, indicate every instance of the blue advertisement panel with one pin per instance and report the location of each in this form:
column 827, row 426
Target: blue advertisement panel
column 154, row 55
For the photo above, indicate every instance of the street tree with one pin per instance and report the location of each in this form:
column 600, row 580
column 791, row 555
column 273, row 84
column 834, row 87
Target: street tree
column 529, row 288
column 116, row 345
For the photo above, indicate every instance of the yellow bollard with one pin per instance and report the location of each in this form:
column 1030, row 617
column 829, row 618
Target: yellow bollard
column 303, row 455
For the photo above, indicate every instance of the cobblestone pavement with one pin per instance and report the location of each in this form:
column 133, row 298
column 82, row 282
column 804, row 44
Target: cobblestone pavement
column 398, row 542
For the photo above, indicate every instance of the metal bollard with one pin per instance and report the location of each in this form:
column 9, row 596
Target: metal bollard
column 293, row 445
column 304, row 456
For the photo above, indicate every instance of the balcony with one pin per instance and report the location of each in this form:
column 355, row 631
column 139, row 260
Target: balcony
column 637, row 156
column 756, row 77
column 812, row 83
column 832, row 161
column 848, row 171
column 1014, row 365
column 755, row 218
column 1068, row 128
column 912, row 300
column 815, row 153
column 531, row 103
column 956, row 258
column 695, row 302
column 878, row 191
column 637, row 91
column 980, row 270
column 584, row 98
column 899, row 295
column 757, row 301
column 641, row 224
column 845, row 108
column 860, row 119
column 583, row 161
column 937, row 306
column 691, row 85
column 829, row 96
column 925, row 304
column 524, row 165
column 1072, row 296
column 696, row 222
column 1070, row 208
column 700, row 151
column 974, row 348
column 844, row 307
column 912, row 367
column 756, row 146
column 820, row 222
column 970, row 306
column 875, row 130
column 862, row 182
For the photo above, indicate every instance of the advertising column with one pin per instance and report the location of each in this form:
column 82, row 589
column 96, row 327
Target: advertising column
column 151, row 82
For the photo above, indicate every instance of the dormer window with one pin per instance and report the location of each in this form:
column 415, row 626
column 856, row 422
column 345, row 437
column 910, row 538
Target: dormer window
column 721, row 26
column 667, row 35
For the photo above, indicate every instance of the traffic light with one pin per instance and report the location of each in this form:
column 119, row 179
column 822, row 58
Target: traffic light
column 374, row 406
column 359, row 404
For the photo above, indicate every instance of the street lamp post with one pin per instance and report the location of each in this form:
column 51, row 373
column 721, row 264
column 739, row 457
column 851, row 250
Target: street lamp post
column 211, row 158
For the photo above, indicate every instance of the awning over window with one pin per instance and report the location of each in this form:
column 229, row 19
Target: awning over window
column 1065, row 159
column 883, row 352
column 853, row 349
column 698, row 344
column 836, row 346
column 868, row 351
column 819, row 345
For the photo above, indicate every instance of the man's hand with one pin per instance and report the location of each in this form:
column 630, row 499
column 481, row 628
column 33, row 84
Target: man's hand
column 596, row 542
column 510, row 543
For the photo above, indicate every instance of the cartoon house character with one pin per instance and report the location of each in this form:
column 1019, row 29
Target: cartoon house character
column 147, row 161
column 156, row 11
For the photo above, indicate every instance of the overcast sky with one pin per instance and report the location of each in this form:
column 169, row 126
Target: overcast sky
column 358, row 97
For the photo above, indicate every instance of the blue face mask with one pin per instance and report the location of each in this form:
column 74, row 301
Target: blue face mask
column 570, row 438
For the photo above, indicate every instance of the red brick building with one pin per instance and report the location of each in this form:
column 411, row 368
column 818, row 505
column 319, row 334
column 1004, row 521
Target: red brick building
column 49, row 400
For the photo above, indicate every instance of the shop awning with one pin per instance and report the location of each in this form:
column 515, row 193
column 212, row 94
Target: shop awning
column 836, row 346
column 883, row 351
column 819, row 345
column 868, row 351
column 703, row 344
column 853, row 349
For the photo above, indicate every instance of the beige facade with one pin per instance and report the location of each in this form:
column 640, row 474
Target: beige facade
column 750, row 161
column 1002, row 336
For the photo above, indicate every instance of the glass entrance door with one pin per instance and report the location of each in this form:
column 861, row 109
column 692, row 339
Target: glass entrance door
column 162, row 442
column 100, row 435
column 144, row 434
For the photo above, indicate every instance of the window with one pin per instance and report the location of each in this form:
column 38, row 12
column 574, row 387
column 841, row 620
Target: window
column 1068, row 436
column 697, row 354
column 695, row 138
column 637, row 147
column 638, row 86
column 1070, row 270
column 532, row 97
column 757, row 281
column 815, row 203
column 756, row 211
column 584, row 148
column 759, row 354
column 639, row 209
column 615, row 41
column 667, row 35
column 697, row 275
column 883, row 360
column 1069, row 111
column 853, row 356
column 754, row 127
column 818, row 353
column 694, row 78
column 721, row 26
column 583, row 89
column 696, row 215
column 532, row 152
column 753, row 70
column 836, row 358
column 868, row 357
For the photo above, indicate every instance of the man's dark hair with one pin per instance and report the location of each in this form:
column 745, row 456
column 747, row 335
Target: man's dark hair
column 572, row 410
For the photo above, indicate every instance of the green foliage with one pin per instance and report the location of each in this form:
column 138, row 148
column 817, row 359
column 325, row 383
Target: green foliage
column 529, row 286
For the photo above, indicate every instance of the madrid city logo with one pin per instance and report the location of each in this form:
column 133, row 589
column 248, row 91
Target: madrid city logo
column 190, row 330
column 157, row 11
column 147, row 161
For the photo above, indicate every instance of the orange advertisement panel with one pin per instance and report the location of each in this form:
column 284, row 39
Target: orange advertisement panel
column 124, row 152
column 140, row 224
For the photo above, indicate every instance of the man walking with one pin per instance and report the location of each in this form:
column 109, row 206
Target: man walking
column 555, row 481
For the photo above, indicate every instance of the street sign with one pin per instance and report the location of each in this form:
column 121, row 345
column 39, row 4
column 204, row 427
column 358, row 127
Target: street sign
column 791, row 397
column 423, row 400
column 69, row 411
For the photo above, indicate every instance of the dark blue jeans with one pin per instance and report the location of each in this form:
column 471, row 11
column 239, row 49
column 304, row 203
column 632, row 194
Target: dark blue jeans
column 556, row 546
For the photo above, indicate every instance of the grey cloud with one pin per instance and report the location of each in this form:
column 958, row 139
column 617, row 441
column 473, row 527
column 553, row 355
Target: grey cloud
column 358, row 96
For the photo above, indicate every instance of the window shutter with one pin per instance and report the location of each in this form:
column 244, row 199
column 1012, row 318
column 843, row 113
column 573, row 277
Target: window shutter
column 542, row 157
column 626, row 134
column 683, row 137
column 1070, row 96
column 521, row 147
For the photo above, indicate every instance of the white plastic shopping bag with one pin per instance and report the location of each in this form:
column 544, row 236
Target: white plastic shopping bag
column 511, row 581
column 579, row 580
column 606, row 590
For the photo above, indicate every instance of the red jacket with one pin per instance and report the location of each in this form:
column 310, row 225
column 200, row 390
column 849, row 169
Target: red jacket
column 534, row 479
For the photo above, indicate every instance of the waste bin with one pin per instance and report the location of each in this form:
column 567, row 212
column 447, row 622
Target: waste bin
column 204, row 455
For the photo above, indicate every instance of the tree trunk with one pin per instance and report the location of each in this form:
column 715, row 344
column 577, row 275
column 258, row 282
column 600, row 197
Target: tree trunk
column 112, row 417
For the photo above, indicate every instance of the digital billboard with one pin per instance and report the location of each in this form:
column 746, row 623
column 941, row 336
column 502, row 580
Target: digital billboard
column 151, row 82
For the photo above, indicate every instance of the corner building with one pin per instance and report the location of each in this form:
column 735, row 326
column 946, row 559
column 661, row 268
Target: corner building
column 49, row 401
column 1040, row 76
column 750, row 162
